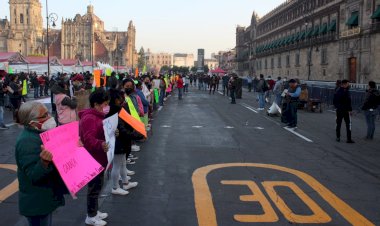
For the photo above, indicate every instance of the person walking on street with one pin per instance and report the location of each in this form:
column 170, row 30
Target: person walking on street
column 277, row 90
column 225, row 81
column 180, row 87
column 92, row 135
column 371, row 103
column 342, row 103
column 232, row 87
column 41, row 189
column 262, row 87
column 292, row 96
column 249, row 83
column 213, row 81
column 47, row 84
column 15, row 95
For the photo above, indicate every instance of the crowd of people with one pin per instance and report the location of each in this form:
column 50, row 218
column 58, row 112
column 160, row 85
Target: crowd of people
column 41, row 189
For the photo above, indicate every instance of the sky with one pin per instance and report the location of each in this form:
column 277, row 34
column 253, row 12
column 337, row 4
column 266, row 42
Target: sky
column 171, row 26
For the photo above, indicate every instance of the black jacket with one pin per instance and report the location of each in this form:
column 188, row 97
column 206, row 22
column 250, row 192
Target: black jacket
column 342, row 100
column 372, row 100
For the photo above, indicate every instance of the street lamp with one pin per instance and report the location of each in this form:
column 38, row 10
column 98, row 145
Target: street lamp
column 50, row 18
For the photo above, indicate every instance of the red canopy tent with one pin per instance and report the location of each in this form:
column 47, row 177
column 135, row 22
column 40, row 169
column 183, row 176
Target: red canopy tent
column 12, row 58
column 218, row 71
column 43, row 60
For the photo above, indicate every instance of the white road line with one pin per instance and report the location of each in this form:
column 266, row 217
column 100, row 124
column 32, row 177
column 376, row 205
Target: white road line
column 299, row 135
column 166, row 126
column 272, row 120
column 259, row 128
column 220, row 93
column 229, row 127
column 198, row 127
column 44, row 100
column 249, row 107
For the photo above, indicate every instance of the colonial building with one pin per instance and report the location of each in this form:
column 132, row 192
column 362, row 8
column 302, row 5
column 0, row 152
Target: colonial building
column 82, row 37
column 183, row 60
column 23, row 32
column 314, row 40
column 157, row 60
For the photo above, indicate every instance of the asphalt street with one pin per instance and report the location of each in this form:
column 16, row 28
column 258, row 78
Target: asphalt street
column 212, row 163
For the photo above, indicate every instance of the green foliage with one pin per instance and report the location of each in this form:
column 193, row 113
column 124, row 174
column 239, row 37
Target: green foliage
column 141, row 61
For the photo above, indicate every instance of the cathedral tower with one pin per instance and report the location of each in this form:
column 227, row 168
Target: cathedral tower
column 26, row 30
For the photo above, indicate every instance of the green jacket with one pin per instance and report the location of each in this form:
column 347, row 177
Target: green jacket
column 40, row 189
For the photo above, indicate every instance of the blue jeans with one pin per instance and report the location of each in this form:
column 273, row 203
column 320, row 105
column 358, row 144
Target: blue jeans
column 162, row 96
column 292, row 114
column 36, row 89
column 200, row 85
column 180, row 92
column 1, row 115
column 278, row 99
column 370, row 117
column 261, row 100
column 233, row 97
column 45, row 220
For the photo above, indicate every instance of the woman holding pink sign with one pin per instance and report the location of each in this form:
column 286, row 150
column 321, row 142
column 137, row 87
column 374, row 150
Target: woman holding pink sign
column 92, row 135
column 41, row 189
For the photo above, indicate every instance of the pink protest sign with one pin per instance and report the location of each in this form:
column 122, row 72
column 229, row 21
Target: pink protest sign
column 75, row 165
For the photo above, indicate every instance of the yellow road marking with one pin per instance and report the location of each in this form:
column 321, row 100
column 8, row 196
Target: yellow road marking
column 12, row 187
column 257, row 196
column 319, row 216
column 206, row 211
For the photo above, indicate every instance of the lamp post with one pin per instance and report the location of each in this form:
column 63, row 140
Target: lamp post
column 50, row 18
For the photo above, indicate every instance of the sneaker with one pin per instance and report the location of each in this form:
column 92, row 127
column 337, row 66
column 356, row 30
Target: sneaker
column 130, row 185
column 133, row 157
column 130, row 172
column 119, row 191
column 95, row 221
column 131, row 162
column 4, row 127
column 350, row 142
column 101, row 215
column 135, row 148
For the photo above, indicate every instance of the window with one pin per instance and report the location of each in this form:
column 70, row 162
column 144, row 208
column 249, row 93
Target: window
column 287, row 61
column 21, row 18
column 279, row 62
column 297, row 59
column 353, row 21
column 324, row 56
column 272, row 63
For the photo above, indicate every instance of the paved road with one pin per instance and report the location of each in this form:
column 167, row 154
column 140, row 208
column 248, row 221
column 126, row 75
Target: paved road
column 212, row 163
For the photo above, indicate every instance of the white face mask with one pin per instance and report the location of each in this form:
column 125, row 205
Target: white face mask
column 48, row 124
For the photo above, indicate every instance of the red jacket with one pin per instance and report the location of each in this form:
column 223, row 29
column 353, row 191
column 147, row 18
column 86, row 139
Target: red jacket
column 92, row 134
column 180, row 83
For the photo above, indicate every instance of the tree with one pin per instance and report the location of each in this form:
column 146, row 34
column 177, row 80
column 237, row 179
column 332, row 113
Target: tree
column 194, row 69
column 141, row 60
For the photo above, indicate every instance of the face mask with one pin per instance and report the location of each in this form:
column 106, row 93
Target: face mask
column 106, row 110
column 49, row 124
column 129, row 91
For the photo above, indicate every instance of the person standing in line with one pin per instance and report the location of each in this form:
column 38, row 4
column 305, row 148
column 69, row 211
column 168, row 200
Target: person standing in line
column 277, row 90
column 185, row 84
column 47, row 84
column 35, row 85
column 41, row 189
column 15, row 94
column 292, row 96
column 262, row 87
column 3, row 91
column 342, row 103
column 225, row 80
column 162, row 90
column 370, row 105
column 41, row 81
column 180, row 87
column 92, row 135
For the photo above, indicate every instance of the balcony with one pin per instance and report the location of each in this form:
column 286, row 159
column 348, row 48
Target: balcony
column 350, row 32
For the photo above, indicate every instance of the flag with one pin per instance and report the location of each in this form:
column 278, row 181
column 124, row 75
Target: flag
column 24, row 88
column 144, row 69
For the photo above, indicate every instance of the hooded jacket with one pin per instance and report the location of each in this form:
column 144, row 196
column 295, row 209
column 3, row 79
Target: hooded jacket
column 372, row 99
column 92, row 134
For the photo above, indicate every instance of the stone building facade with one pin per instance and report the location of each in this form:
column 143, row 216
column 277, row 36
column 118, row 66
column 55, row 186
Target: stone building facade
column 82, row 37
column 157, row 60
column 183, row 60
column 322, row 40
